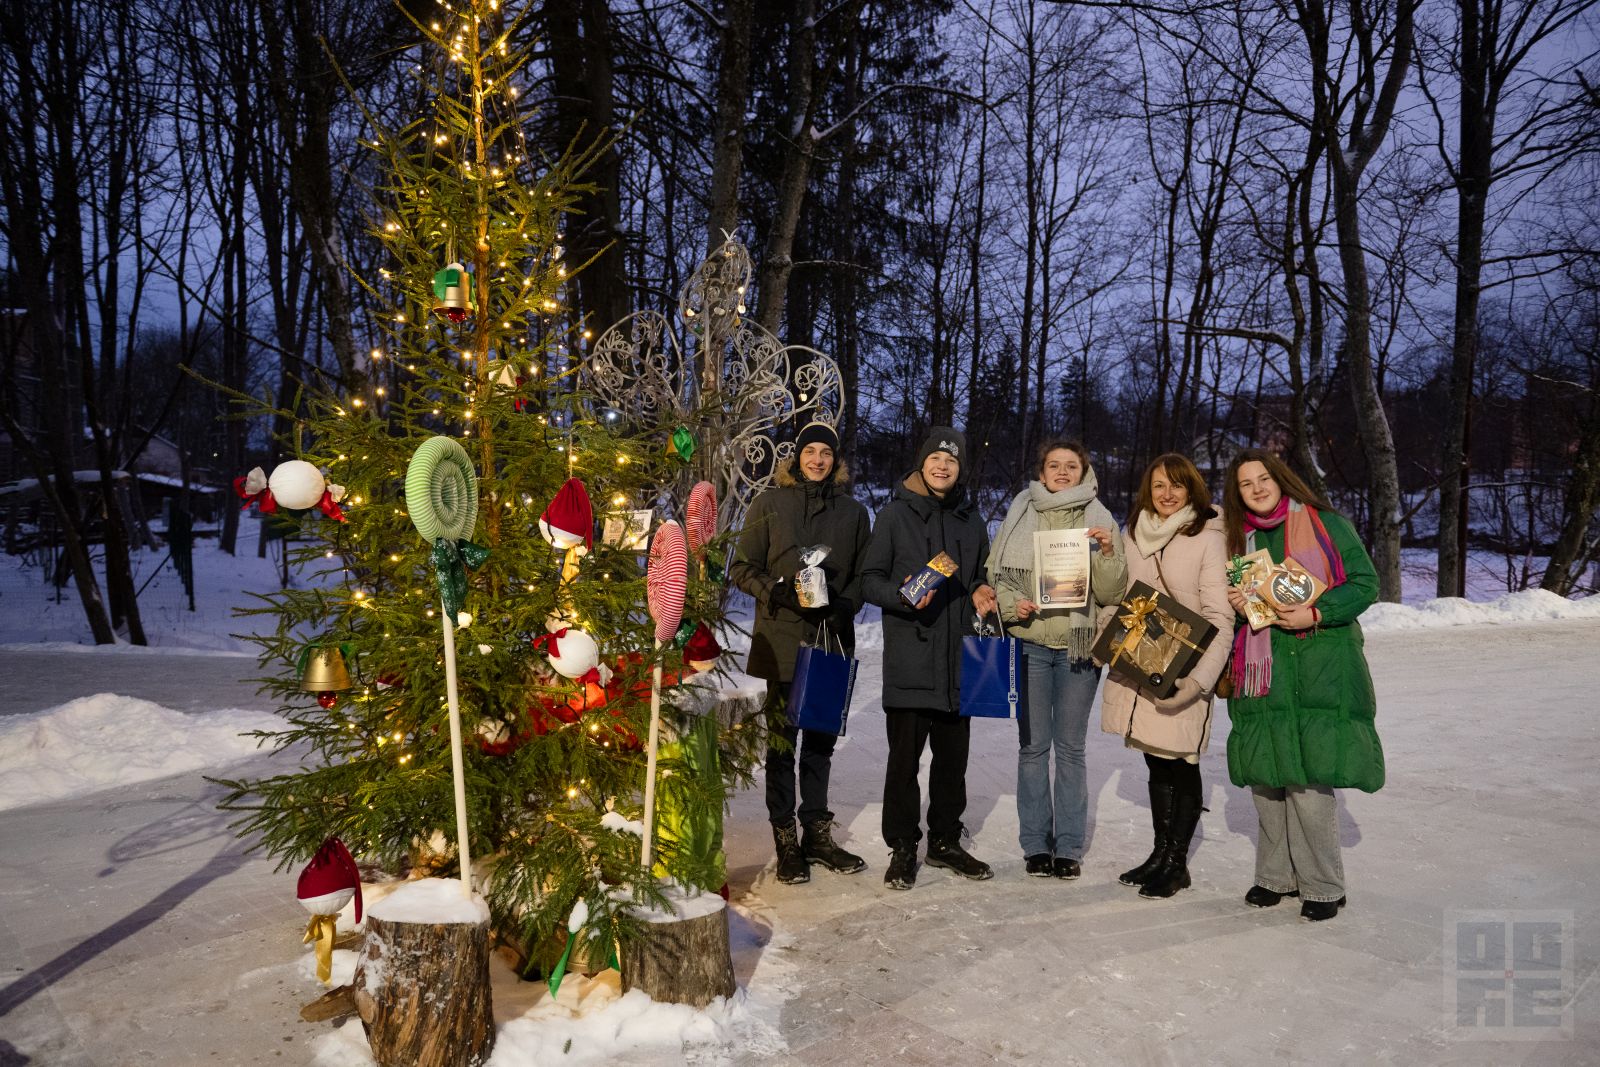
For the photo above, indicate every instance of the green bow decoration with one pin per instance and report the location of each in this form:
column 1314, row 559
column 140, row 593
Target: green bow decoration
column 682, row 444
column 1236, row 567
column 685, row 631
column 559, row 971
column 714, row 568
column 451, row 560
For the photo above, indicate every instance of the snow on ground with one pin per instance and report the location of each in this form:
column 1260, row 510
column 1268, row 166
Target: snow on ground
column 592, row 1021
column 101, row 741
column 136, row 927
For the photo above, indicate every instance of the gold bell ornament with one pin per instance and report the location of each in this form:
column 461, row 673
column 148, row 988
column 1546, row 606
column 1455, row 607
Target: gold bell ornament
column 323, row 672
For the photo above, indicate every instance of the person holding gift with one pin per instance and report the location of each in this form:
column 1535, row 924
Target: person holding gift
column 929, row 516
column 1061, row 677
column 1303, row 708
column 809, row 505
column 1177, row 546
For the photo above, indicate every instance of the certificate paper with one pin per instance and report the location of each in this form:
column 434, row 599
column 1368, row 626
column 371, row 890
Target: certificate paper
column 628, row 529
column 1061, row 569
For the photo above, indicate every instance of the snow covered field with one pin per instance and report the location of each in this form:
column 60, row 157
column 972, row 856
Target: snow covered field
column 137, row 930
column 129, row 903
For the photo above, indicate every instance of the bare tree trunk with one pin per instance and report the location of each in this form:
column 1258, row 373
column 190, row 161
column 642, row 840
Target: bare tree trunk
column 1472, row 195
column 303, row 88
column 580, row 51
column 804, row 88
column 727, row 158
column 1371, row 110
column 1579, row 499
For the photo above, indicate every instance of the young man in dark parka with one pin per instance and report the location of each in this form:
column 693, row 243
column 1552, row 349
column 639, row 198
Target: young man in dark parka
column 922, row 653
column 809, row 505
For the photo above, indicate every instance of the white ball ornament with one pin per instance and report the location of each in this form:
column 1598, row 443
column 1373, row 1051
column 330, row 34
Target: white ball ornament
column 577, row 654
column 296, row 485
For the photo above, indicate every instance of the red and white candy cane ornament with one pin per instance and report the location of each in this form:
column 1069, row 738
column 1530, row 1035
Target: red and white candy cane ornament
column 701, row 514
column 666, row 580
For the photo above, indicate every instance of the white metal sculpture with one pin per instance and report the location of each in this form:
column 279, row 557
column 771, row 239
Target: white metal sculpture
column 741, row 392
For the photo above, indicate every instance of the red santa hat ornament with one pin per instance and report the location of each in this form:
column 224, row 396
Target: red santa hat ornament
column 702, row 650
column 569, row 520
column 328, row 883
column 330, row 880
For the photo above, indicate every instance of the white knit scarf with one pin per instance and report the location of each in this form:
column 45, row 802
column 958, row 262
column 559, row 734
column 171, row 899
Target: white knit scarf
column 1151, row 533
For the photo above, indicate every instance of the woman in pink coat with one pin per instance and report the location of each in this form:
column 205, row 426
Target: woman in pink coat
column 1176, row 544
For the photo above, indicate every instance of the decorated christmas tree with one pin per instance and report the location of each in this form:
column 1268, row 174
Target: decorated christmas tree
column 555, row 649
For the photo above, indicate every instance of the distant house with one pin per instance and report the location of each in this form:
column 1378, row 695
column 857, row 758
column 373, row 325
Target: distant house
column 153, row 478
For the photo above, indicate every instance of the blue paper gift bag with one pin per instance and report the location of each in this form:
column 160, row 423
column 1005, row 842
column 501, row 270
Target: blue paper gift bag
column 824, row 681
column 993, row 679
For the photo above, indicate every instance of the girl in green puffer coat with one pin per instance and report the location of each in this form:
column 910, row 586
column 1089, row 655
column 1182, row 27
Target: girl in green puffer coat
column 1303, row 706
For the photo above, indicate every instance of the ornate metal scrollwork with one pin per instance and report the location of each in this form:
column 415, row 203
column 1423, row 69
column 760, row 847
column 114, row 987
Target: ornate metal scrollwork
column 741, row 391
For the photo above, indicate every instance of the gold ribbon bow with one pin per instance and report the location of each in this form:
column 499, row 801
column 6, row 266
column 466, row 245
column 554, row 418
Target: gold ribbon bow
column 321, row 929
column 1137, row 623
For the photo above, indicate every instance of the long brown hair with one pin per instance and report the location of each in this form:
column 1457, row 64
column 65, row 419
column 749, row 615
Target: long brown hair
column 1233, row 510
column 1180, row 469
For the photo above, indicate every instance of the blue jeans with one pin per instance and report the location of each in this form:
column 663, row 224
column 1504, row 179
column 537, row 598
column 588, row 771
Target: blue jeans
column 1060, row 696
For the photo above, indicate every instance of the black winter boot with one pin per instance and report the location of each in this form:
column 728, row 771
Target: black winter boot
column 818, row 846
column 1161, row 794
column 792, row 866
column 1173, row 872
column 902, row 872
column 947, row 852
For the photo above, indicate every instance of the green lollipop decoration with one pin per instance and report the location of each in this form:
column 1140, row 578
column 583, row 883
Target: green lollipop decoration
column 442, row 498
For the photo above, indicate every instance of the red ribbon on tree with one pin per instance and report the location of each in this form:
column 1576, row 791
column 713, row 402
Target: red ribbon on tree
column 548, row 642
column 329, row 506
column 252, row 489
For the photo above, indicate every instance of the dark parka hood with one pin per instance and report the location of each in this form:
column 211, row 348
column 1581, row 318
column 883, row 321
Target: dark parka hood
column 784, row 474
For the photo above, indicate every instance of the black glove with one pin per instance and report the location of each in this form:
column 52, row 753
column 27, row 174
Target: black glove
column 781, row 595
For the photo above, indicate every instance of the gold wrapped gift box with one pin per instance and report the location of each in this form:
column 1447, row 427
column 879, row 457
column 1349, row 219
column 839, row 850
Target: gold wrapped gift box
column 1153, row 640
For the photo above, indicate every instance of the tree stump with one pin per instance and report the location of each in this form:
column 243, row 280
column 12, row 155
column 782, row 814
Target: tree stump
column 422, row 991
column 681, row 958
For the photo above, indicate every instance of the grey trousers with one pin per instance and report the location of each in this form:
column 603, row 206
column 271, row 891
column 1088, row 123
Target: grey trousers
column 1299, row 844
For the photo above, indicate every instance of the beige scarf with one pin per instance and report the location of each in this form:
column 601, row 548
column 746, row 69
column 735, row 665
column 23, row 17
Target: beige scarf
column 1151, row 533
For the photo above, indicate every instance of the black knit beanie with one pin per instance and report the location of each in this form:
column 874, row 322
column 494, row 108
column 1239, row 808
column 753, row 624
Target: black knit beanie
column 817, row 433
column 946, row 439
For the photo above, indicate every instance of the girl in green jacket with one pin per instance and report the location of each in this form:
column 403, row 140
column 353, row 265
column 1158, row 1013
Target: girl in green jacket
column 1303, row 705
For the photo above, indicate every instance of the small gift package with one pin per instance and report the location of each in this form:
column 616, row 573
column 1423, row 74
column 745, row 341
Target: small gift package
column 810, row 583
column 1153, row 640
column 1270, row 587
column 929, row 578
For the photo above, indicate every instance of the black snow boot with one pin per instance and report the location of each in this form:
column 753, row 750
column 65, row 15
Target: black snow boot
column 1161, row 794
column 1173, row 872
column 902, row 872
column 818, row 846
column 792, row 866
column 947, row 852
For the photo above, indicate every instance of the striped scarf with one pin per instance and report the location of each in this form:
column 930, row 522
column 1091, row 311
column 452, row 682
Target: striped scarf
column 1306, row 541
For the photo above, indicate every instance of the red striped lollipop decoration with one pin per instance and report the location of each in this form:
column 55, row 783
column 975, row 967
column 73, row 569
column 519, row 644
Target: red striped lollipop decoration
column 666, row 579
column 702, row 516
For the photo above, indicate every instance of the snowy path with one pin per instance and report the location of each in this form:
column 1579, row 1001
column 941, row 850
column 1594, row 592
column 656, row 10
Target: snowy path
column 133, row 929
